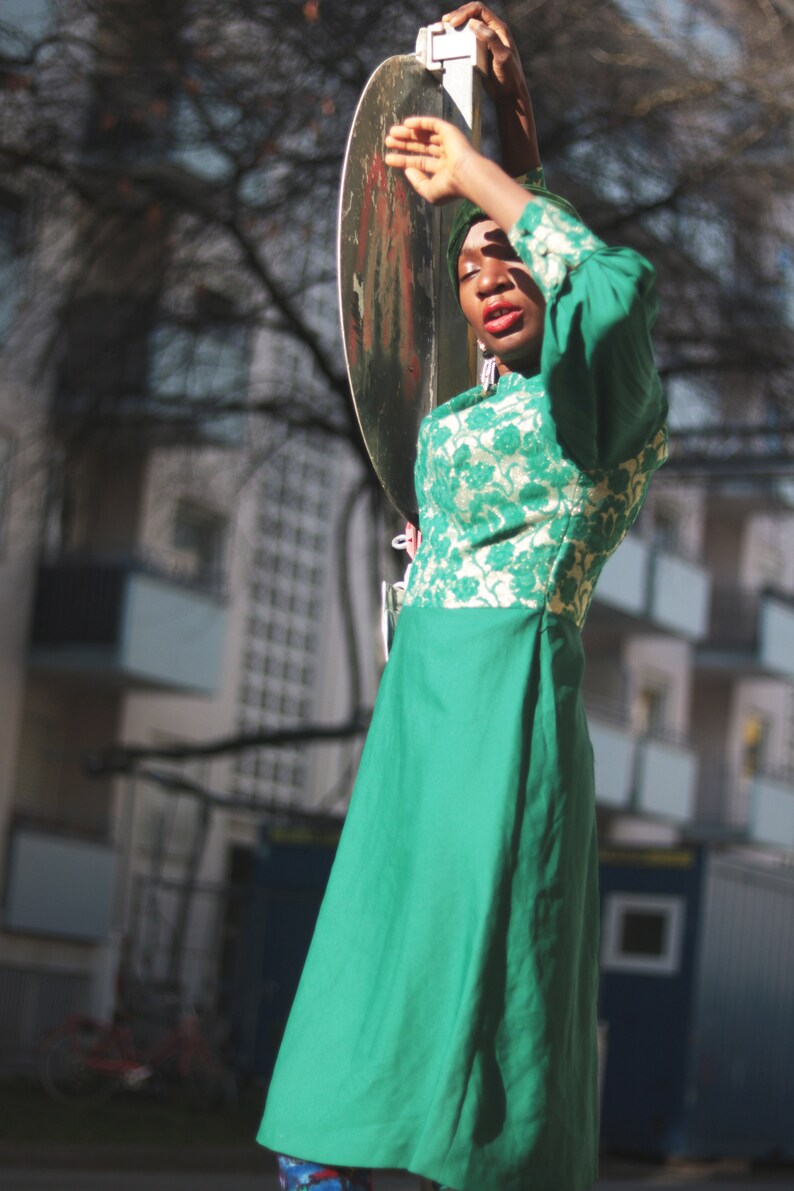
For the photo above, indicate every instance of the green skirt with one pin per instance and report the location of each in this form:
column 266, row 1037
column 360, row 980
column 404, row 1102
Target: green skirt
column 445, row 1021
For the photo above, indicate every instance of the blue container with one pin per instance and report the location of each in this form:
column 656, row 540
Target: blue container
column 697, row 991
column 292, row 869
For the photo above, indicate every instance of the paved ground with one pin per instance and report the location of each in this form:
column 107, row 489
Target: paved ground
column 53, row 1180
column 66, row 1168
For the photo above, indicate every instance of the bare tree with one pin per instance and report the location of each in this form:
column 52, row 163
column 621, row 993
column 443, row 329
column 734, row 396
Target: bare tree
column 181, row 142
column 670, row 124
column 189, row 153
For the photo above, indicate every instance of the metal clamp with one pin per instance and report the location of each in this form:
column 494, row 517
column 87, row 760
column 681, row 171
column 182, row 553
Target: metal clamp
column 439, row 44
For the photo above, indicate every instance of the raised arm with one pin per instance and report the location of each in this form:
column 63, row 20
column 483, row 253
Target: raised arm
column 506, row 85
column 596, row 358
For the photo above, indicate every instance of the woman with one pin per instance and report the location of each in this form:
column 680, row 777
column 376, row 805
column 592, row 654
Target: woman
column 446, row 1019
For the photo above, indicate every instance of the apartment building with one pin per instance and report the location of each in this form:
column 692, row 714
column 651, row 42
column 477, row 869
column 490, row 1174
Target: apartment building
column 690, row 662
column 707, row 702
column 160, row 585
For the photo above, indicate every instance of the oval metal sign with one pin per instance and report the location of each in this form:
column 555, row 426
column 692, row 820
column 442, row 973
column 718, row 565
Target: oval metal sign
column 388, row 260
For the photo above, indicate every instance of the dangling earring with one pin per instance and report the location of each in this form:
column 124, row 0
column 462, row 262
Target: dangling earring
column 488, row 373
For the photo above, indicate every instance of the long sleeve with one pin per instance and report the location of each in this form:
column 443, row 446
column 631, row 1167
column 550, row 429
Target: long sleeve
column 597, row 359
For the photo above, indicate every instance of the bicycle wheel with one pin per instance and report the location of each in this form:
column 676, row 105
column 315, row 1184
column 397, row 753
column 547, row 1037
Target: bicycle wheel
column 73, row 1065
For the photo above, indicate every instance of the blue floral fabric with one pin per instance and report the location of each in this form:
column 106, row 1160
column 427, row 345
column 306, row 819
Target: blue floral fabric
column 296, row 1175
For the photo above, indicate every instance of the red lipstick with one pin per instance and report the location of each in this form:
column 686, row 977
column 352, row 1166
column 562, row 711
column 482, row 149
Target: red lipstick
column 501, row 316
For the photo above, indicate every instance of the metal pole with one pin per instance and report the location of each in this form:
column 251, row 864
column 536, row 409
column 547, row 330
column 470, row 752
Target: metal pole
column 459, row 60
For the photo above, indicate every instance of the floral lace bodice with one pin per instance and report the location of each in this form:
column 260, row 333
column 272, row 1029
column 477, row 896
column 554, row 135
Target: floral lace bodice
column 526, row 490
column 507, row 518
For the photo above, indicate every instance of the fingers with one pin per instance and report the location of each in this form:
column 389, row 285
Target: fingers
column 407, row 134
column 495, row 38
column 478, row 14
column 431, row 149
column 466, row 12
column 427, row 124
column 414, row 148
column 396, row 145
column 413, row 163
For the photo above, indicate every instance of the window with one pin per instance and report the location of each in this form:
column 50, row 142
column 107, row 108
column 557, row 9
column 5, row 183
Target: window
column 201, row 368
column 666, row 527
column 287, row 575
column 649, row 710
column 756, row 731
column 198, row 537
column 769, row 553
column 642, row 933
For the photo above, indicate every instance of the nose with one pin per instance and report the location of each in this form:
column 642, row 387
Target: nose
column 493, row 277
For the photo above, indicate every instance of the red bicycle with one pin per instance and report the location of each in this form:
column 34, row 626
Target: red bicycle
column 88, row 1060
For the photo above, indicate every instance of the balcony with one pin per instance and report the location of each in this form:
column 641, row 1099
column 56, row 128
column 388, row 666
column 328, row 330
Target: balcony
column 751, row 633
column 741, row 808
column 122, row 623
column 665, row 777
column 771, row 819
column 613, row 751
column 646, row 587
column 59, row 885
column 640, row 775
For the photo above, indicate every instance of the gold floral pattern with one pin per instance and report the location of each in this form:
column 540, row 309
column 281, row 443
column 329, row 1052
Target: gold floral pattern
column 555, row 242
column 508, row 520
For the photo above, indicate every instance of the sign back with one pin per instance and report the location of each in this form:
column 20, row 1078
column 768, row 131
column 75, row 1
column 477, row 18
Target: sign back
column 406, row 344
column 388, row 277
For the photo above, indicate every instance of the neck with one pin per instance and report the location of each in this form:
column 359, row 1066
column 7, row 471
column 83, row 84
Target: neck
column 530, row 368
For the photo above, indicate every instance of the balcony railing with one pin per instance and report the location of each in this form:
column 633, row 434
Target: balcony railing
column 68, row 821
column 753, row 808
column 751, row 630
column 644, row 774
column 59, row 885
column 127, row 624
column 658, row 590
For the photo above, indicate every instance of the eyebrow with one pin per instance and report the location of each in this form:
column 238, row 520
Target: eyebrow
column 499, row 242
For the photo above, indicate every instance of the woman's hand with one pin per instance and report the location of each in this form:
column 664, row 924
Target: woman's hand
column 505, row 78
column 506, row 85
column 435, row 157
column 441, row 165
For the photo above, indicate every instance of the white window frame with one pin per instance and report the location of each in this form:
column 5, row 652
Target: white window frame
column 616, row 906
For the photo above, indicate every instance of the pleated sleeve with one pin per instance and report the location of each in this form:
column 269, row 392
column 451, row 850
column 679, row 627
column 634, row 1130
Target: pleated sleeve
column 597, row 359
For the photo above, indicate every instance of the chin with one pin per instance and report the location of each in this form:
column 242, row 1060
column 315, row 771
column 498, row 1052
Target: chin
column 519, row 358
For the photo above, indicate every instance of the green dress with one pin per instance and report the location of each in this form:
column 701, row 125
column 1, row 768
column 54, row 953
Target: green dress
column 445, row 1021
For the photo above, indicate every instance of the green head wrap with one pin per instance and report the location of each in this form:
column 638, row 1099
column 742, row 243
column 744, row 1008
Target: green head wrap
column 468, row 214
